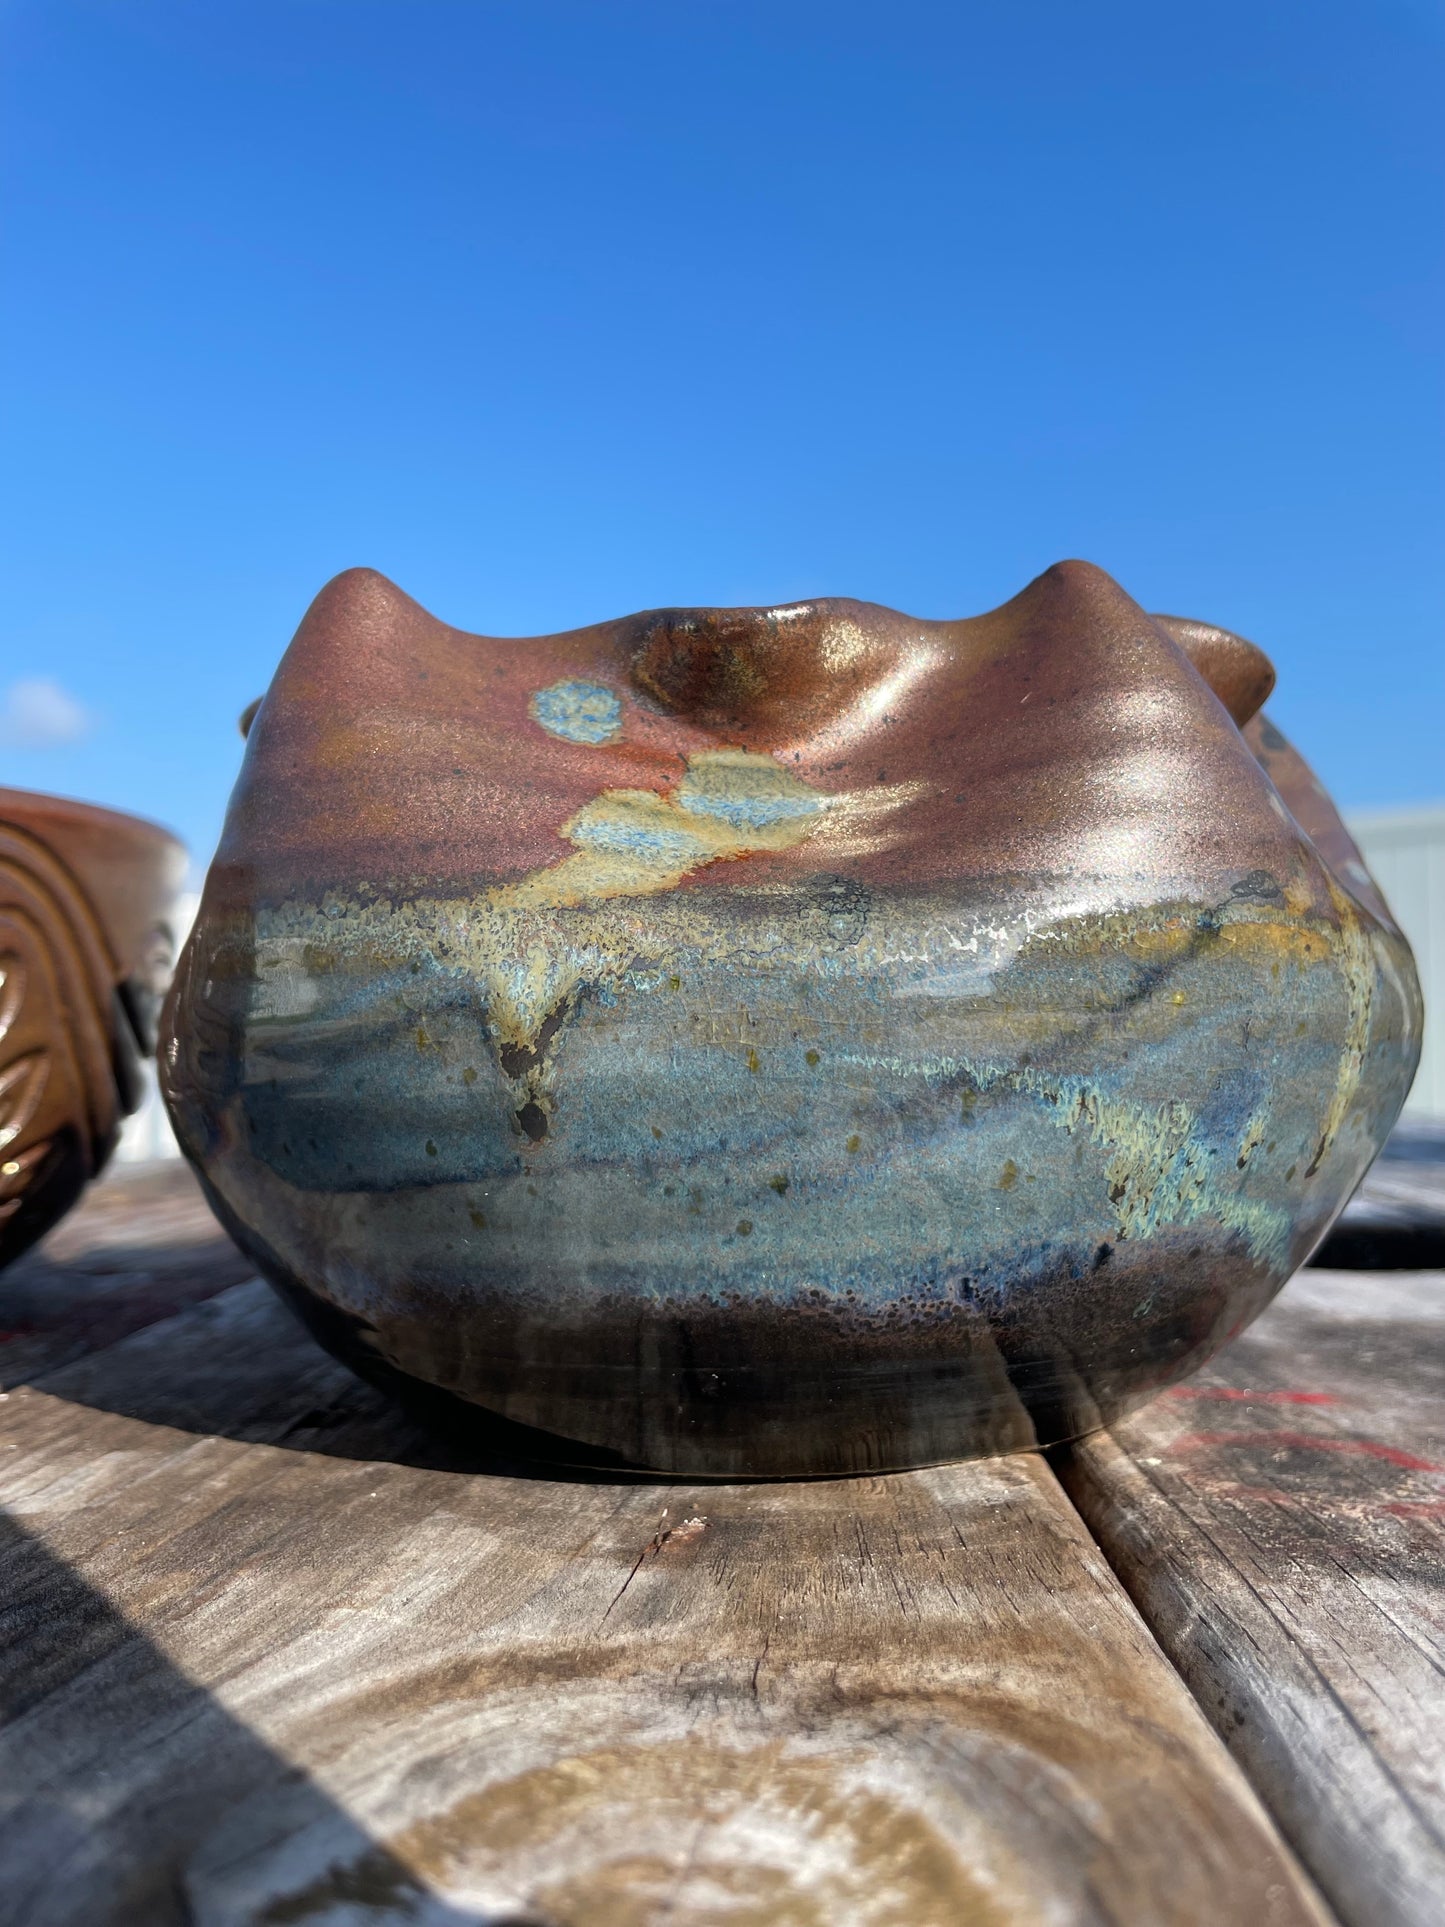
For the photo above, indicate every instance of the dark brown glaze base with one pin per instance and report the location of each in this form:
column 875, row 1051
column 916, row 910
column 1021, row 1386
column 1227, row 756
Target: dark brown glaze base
column 755, row 1391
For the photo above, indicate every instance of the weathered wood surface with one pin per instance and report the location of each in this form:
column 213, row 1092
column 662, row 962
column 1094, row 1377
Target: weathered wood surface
column 271, row 1658
column 1280, row 1522
column 141, row 1246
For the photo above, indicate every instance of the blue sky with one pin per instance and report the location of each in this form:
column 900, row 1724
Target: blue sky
column 553, row 312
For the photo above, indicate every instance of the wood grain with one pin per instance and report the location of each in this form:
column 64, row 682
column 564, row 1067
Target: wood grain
column 274, row 1658
column 1280, row 1522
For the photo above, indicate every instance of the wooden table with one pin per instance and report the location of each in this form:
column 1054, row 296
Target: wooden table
column 272, row 1656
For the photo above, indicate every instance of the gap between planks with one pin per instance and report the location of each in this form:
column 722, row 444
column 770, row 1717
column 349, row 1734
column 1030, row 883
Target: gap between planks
column 1279, row 1521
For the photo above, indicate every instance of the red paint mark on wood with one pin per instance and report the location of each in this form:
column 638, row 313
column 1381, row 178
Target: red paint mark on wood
column 1421, row 1509
column 1302, row 1442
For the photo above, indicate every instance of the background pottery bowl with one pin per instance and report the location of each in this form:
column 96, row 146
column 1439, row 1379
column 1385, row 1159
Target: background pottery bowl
column 782, row 1041
column 86, row 901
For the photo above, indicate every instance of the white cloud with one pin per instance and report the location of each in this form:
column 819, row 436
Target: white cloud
column 36, row 713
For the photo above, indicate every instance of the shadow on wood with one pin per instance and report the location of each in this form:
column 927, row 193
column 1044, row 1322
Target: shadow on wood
column 85, row 1839
column 115, row 1277
column 237, row 1365
column 143, row 1249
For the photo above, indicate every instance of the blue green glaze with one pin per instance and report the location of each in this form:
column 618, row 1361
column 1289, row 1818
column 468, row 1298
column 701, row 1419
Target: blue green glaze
column 578, row 712
column 875, row 1117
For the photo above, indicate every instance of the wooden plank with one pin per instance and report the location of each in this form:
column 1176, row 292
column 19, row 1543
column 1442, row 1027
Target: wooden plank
column 1280, row 1522
column 141, row 1245
column 274, row 1658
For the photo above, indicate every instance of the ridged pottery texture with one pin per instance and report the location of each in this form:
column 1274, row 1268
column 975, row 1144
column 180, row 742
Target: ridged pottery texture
column 87, row 899
column 782, row 1041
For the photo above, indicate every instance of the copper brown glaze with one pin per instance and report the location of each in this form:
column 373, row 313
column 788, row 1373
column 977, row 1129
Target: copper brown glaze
column 86, row 902
column 783, row 1040
column 1239, row 673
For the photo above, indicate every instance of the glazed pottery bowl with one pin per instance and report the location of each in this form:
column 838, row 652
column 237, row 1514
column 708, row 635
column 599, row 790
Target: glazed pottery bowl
column 782, row 1041
column 86, row 936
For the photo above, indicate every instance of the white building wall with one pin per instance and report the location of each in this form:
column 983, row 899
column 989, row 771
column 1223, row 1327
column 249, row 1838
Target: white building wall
column 1405, row 850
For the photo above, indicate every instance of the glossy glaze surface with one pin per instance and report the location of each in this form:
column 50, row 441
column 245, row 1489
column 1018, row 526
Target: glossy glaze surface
column 86, row 901
column 782, row 1041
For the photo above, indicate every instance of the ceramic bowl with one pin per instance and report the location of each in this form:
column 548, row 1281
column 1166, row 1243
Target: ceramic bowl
column 86, row 935
column 747, row 1042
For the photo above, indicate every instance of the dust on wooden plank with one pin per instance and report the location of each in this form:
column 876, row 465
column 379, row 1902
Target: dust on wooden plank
column 274, row 1658
column 1280, row 1521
